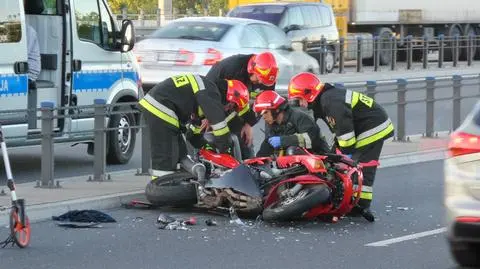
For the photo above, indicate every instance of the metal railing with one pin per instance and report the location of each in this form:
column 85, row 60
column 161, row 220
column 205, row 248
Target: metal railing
column 400, row 88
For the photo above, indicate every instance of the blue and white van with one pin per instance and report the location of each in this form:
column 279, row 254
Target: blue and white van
column 84, row 56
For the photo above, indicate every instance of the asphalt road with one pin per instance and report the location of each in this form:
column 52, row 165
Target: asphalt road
column 407, row 201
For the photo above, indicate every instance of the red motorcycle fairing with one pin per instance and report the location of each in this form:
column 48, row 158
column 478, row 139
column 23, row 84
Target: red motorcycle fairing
column 272, row 195
column 313, row 163
column 239, row 179
column 222, row 159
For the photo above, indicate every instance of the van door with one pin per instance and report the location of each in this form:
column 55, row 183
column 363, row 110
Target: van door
column 13, row 67
column 96, row 62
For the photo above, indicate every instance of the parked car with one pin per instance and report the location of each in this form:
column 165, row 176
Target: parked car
column 462, row 191
column 309, row 21
column 195, row 44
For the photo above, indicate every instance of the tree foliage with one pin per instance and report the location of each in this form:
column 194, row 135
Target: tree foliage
column 182, row 6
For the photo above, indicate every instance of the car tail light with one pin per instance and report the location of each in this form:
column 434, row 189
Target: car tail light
column 185, row 57
column 463, row 143
column 213, row 56
column 468, row 219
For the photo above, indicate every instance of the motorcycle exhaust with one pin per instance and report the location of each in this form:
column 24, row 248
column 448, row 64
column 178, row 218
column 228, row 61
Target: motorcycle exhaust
column 195, row 168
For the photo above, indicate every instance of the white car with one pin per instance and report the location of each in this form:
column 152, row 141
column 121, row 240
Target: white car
column 462, row 191
column 193, row 45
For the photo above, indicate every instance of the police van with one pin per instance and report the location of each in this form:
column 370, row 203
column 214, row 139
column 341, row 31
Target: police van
column 85, row 55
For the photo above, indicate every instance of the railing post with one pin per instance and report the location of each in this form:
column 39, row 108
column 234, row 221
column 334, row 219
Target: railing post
column 425, row 52
column 409, row 52
column 323, row 49
column 457, row 98
column 359, row 54
column 146, row 147
column 99, row 158
column 341, row 64
column 376, row 53
column 48, row 158
column 401, row 103
column 159, row 16
column 394, row 52
column 469, row 50
column 455, row 50
column 441, row 50
column 371, row 88
column 430, row 108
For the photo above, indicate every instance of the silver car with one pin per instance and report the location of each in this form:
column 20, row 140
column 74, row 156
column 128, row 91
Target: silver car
column 462, row 191
column 195, row 44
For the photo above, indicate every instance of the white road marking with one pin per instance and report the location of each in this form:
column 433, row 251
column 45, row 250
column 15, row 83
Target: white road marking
column 387, row 242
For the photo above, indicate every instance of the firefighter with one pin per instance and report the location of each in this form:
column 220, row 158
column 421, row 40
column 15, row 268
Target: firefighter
column 258, row 72
column 170, row 106
column 286, row 126
column 359, row 123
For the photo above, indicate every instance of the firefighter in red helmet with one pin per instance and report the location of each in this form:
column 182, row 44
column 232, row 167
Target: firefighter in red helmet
column 359, row 123
column 286, row 126
column 257, row 72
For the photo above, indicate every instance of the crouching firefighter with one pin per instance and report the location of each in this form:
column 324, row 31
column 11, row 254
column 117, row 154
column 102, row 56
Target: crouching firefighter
column 237, row 104
column 360, row 124
column 286, row 126
column 167, row 109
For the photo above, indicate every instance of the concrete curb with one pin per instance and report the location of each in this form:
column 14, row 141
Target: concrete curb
column 43, row 212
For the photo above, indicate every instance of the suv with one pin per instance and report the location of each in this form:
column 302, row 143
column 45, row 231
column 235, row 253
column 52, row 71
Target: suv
column 300, row 21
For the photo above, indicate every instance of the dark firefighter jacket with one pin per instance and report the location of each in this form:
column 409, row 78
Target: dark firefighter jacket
column 298, row 129
column 235, row 67
column 180, row 99
column 356, row 119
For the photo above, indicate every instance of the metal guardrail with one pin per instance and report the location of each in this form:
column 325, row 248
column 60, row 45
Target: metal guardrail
column 400, row 87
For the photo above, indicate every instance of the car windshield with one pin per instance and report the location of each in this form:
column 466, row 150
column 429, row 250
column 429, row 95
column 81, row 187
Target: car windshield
column 193, row 30
column 268, row 13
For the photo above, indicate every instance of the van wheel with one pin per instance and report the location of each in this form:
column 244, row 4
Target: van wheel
column 121, row 142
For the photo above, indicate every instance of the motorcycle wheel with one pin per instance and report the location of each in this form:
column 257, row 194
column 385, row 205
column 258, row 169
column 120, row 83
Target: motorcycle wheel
column 287, row 210
column 172, row 190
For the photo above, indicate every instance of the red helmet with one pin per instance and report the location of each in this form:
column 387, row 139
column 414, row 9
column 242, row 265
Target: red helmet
column 265, row 67
column 306, row 86
column 267, row 100
column 237, row 93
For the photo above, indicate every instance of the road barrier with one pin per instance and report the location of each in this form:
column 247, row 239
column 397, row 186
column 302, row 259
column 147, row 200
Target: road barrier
column 102, row 111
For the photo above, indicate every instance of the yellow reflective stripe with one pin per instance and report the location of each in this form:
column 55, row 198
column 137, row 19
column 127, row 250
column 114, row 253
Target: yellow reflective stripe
column 365, row 195
column 231, row 116
column 244, row 110
column 375, row 137
column 221, row 131
column 195, row 129
column 200, row 112
column 355, row 96
column 346, row 143
column 254, row 94
column 194, row 83
column 162, row 115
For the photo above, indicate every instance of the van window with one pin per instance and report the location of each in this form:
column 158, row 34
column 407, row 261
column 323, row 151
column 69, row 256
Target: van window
column 94, row 25
column 269, row 13
column 295, row 16
column 10, row 24
column 325, row 16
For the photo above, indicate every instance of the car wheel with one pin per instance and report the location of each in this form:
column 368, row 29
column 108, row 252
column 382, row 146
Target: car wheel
column 121, row 142
column 466, row 254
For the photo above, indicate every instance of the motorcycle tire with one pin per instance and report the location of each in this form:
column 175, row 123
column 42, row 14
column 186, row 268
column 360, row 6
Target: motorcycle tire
column 294, row 210
column 172, row 190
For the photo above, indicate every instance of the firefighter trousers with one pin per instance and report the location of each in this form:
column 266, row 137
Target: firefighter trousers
column 365, row 154
column 166, row 143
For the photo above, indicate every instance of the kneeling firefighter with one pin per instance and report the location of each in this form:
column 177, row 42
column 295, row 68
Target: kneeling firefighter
column 360, row 124
column 286, row 126
column 169, row 107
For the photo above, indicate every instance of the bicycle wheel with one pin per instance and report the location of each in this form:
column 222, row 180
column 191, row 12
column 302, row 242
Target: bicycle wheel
column 19, row 231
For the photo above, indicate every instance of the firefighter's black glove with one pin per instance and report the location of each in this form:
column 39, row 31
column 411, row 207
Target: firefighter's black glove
column 223, row 143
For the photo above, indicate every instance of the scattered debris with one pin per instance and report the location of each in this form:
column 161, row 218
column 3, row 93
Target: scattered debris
column 403, row 208
column 210, row 222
